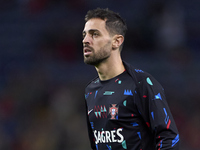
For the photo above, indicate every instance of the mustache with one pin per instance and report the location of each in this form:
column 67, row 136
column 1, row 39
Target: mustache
column 89, row 47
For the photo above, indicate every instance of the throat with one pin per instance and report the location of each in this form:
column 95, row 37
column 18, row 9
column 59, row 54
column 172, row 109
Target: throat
column 109, row 72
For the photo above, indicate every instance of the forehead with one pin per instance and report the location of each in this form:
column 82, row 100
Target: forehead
column 95, row 24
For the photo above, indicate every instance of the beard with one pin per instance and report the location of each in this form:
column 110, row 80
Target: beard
column 99, row 56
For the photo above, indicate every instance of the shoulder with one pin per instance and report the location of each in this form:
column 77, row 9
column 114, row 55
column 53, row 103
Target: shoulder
column 136, row 73
column 93, row 82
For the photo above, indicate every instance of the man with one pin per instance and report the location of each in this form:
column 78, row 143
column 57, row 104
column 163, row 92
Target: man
column 126, row 107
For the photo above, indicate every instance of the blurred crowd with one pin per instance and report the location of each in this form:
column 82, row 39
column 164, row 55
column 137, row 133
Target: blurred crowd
column 42, row 74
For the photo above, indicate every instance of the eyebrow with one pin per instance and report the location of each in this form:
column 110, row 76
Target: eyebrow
column 90, row 31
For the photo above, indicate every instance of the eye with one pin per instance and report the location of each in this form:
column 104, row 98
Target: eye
column 83, row 35
column 95, row 34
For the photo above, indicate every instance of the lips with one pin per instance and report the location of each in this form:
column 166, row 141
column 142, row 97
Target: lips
column 87, row 51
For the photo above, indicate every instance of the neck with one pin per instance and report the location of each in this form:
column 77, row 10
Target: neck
column 110, row 68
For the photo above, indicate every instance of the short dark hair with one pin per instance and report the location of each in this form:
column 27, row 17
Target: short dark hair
column 114, row 23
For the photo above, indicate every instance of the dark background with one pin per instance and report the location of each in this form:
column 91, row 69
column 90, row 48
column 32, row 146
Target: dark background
column 42, row 74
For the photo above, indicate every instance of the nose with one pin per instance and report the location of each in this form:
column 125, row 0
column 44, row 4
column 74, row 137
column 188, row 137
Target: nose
column 86, row 39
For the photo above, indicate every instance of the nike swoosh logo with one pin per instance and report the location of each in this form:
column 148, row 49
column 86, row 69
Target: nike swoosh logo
column 89, row 111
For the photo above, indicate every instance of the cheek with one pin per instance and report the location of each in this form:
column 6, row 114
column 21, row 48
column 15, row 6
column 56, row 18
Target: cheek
column 106, row 43
column 102, row 44
column 98, row 45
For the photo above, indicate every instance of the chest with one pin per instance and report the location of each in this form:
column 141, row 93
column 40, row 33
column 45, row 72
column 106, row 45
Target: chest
column 111, row 105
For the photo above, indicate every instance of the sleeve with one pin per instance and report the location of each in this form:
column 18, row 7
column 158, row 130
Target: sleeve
column 90, row 132
column 154, row 109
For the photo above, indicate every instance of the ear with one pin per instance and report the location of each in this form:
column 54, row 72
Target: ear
column 117, row 41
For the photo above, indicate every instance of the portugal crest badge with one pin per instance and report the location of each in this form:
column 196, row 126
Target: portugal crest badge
column 113, row 111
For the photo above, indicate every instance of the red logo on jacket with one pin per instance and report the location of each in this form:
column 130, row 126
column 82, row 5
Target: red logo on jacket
column 113, row 111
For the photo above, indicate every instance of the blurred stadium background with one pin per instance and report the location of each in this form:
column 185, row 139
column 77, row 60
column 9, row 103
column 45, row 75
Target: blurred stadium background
column 42, row 74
